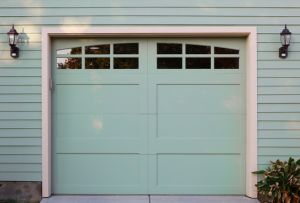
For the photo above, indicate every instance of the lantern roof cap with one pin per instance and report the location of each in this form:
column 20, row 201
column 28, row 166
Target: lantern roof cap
column 13, row 31
column 285, row 31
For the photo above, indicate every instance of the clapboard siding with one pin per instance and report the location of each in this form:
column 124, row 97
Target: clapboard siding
column 17, row 176
column 19, row 167
column 22, row 149
column 20, row 159
column 20, row 133
column 20, row 107
column 283, row 134
column 8, row 141
column 278, row 108
column 150, row 20
column 20, row 116
column 20, row 80
column 150, row 11
column 154, row 3
column 276, row 117
column 266, row 158
column 20, row 63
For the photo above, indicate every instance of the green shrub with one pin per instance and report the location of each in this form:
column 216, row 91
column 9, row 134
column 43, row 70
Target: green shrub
column 281, row 181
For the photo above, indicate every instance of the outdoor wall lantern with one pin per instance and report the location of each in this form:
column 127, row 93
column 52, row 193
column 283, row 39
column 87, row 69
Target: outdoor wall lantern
column 285, row 38
column 13, row 40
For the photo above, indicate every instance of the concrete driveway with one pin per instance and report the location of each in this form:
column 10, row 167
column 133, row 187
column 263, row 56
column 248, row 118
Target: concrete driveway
column 148, row 199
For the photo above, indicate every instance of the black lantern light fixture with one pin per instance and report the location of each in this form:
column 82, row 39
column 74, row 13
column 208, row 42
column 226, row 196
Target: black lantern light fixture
column 13, row 40
column 285, row 38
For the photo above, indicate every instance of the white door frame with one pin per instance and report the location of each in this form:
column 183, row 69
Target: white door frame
column 249, row 33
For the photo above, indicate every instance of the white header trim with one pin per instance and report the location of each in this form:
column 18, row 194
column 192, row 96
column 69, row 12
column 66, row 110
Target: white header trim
column 154, row 31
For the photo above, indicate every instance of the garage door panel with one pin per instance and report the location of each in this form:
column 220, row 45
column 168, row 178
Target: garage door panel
column 214, row 146
column 94, row 77
column 97, row 98
column 98, row 145
column 200, row 173
column 186, row 126
column 100, row 173
column 193, row 99
column 193, row 77
column 101, row 126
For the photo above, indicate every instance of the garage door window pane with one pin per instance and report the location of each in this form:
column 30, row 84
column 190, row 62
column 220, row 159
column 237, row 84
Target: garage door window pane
column 197, row 49
column 221, row 50
column 97, row 63
column 68, row 63
column 198, row 63
column 169, row 48
column 70, row 51
column 98, row 49
column 126, row 63
column 169, row 63
column 126, row 48
column 226, row 63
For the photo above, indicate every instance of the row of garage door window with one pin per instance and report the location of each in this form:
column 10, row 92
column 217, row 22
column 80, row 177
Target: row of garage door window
column 195, row 57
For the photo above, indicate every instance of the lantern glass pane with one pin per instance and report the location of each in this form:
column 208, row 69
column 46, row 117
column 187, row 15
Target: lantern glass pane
column 288, row 39
column 11, row 39
column 283, row 39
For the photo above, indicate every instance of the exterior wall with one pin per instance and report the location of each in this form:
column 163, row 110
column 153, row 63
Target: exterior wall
column 20, row 79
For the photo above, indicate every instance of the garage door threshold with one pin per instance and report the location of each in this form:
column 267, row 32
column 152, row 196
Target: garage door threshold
column 148, row 199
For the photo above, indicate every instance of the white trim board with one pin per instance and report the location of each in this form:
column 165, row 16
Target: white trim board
column 249, row 33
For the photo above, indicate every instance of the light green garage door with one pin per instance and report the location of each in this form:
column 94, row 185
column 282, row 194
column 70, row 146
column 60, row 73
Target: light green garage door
column 148, row 116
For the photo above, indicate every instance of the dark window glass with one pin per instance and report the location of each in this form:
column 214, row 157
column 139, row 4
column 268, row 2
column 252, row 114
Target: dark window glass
column 126, row 48
column 68, row 63
column 226, row 63
column 126, row 63
column 197, row 49
column 221, row 50
column 197, row 63
column 97, row 63
column 169, row 48
column 98, row 49
column 169, row 63
column 76, row 50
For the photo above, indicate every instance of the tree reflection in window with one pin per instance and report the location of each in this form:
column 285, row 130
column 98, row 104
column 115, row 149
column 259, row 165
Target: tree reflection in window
column 68, row 63
column 126, row 63
column 72, row 51
column 97, row 63
column 98, row 49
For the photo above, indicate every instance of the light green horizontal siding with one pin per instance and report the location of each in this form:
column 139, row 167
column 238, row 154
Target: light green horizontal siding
column 20, row 63
column 279, row 117
column 20, row 107
column 154, row 3
column 20, row 80
column 146, row 11
column 279, row 151
column 283, row 134
column 20, row 133
column 266, row 159
column 32, row 148
column 151, row 20
column 20, row 159
column 8, row 141
column 17, row 176
column 20, row 167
